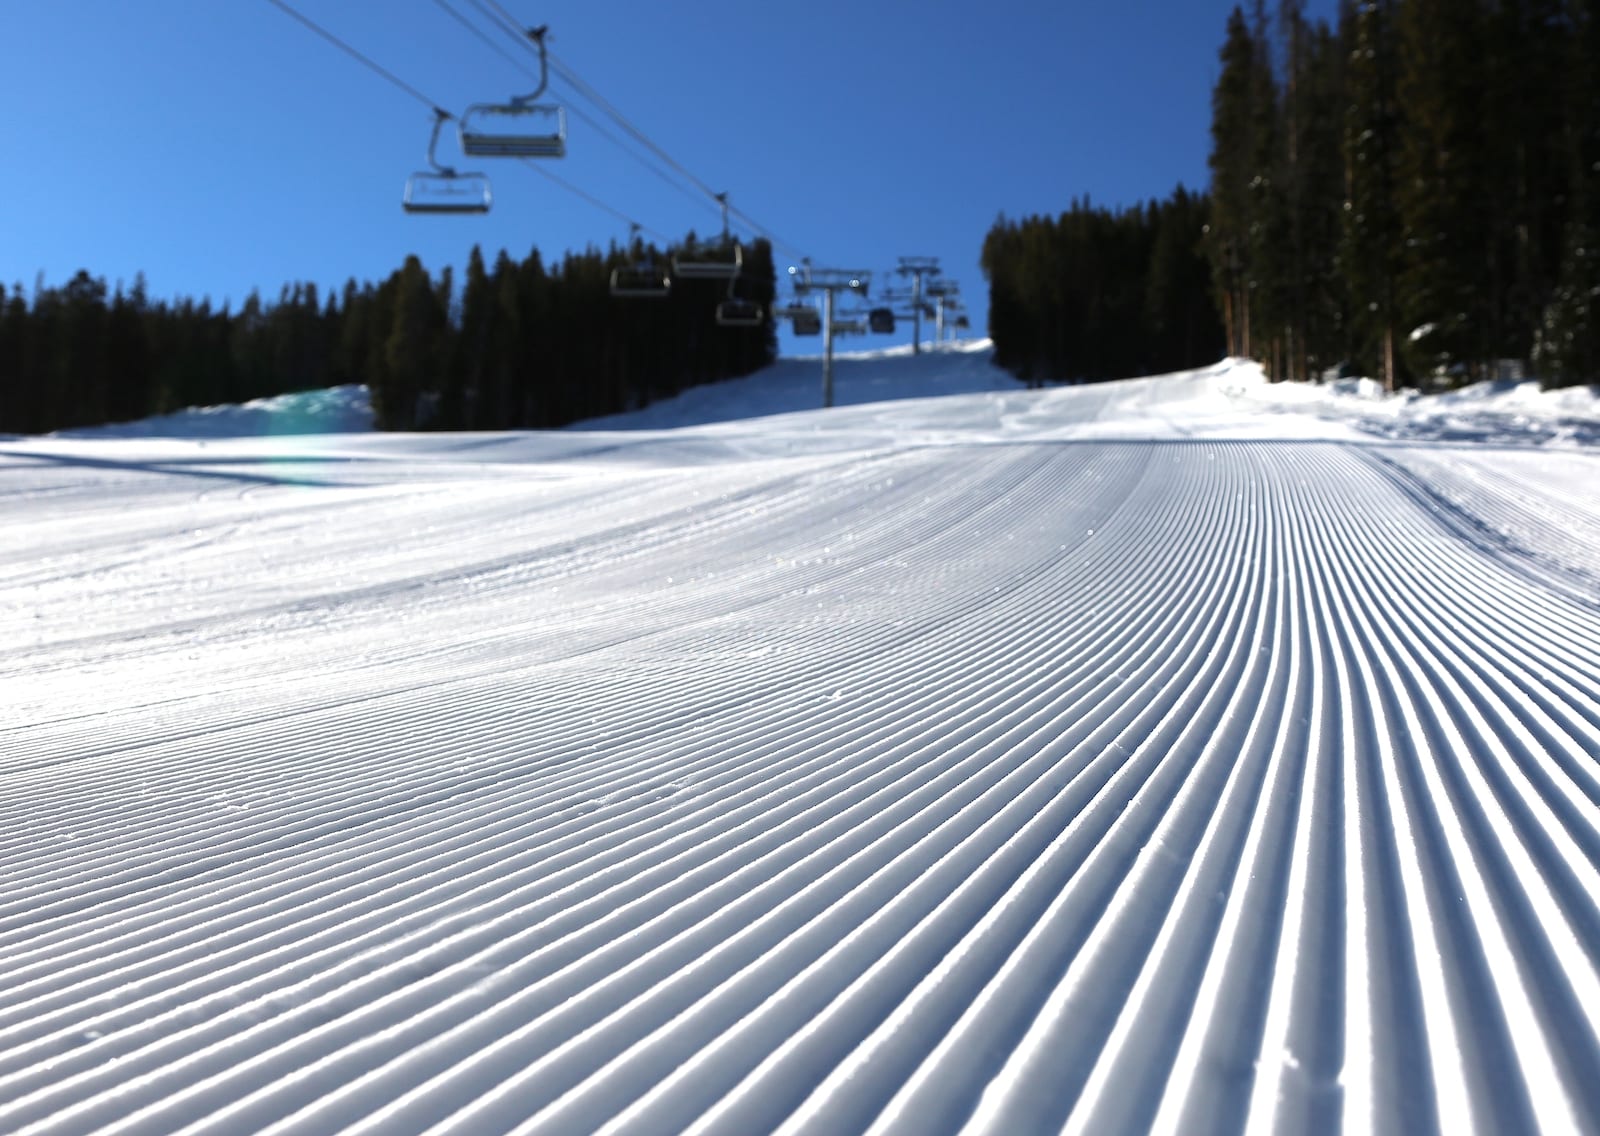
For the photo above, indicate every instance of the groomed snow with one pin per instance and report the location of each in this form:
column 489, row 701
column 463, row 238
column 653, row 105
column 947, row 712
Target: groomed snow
column 1188, row 754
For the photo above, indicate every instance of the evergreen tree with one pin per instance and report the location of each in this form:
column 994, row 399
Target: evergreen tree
column 1327, row 302
column 468, row 357
column 82, row 377
column 1233, row 169
column 1568, row 345
column 16, row 397
column 1094, row 294
column 131, row 394
column 1179, row 314
column 1445, row 281
column 1270, row 251
column 1526, row 185
column 493, row 403
column 412, row 351
column 1370, row 240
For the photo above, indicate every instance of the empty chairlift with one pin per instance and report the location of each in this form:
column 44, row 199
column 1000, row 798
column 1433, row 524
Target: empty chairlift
column 808, row 323
column 520, row 128
column 803, row 317
column 642, row 278
column 721, row 259
column 880, row 321
column 737, row 311
column 442, row 189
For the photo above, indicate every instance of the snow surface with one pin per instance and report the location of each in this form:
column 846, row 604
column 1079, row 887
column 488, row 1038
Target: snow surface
column 1186, row 754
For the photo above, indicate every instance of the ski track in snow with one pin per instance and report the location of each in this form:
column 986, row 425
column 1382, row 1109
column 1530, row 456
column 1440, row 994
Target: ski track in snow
column 1087, row 772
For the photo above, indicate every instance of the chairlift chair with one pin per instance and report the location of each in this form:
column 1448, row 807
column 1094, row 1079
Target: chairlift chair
column 520, row 128
column 737, row 311
column 880, row 321
column 642, row 279
column 722, row 259
column 803, row 317
column 443, row 189
column 446, row 192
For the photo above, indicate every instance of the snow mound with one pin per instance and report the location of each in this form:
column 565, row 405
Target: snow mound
column 336, row 410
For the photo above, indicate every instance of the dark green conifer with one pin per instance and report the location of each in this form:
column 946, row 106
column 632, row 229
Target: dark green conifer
column 1443, row 166
column 1370, row 240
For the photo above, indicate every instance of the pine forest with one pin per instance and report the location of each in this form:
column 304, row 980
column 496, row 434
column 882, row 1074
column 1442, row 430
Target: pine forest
column 1411, row 194
column 518, row 345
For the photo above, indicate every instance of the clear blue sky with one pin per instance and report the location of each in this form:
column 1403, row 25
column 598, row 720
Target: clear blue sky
column 221, row 146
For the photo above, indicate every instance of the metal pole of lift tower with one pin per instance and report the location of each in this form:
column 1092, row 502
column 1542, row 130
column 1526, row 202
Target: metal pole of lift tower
column 942, row 291
column 917, row 267
column 827, row 347
column 828, row 281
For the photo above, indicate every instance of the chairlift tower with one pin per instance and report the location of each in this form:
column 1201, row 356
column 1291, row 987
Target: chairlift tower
column 946, row 295
column 830, row 282
column 917, row 267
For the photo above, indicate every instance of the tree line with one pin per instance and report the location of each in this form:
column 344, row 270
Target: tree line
column 519, row 345
column 1098, row 294
column 1414, row 190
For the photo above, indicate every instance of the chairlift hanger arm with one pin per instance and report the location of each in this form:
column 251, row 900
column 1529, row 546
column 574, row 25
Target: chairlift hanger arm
column 440, row 188
column 440, row 117
column 537, row 36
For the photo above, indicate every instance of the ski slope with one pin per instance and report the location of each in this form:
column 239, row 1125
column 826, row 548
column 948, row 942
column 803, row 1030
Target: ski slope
column 1181, row 755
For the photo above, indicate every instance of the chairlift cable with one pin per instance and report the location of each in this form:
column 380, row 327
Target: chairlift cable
column 759, row 230
column 503, row 23
column 599, row 100
column 634, row 154
column 566, row 73
column 579, row 112
column 354, row 54
column 591, row 199
column 456, row 14
column 440, row 112
column 508, row 22
column 502, row 19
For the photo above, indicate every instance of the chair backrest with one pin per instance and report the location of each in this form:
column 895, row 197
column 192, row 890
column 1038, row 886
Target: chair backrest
column 429, row 191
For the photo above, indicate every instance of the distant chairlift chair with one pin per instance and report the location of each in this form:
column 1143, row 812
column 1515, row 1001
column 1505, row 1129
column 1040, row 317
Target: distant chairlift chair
column 641, row 279
column 808, row 323
column 736, row 311
column 520, row 128
column 880, row 321
column 803, row 317
column 442, row 189
column 722, row 259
